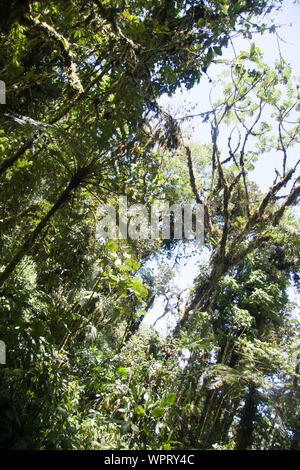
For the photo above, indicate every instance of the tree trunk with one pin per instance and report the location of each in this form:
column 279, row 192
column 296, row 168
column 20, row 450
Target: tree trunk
column 246, row 427
column 27, row 245
column 295, row 445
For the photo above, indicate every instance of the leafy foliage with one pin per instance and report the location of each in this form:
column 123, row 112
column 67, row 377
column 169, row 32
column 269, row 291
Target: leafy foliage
column 82, row 126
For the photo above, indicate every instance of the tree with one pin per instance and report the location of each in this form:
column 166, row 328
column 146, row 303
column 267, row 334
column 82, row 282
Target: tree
column 81, row 127
column 232, row 241
column 239, row 222
column 98, row 70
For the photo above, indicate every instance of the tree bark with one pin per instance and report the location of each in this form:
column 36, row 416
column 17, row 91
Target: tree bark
column 10, row 161
column 29, row 242
column 246, row 427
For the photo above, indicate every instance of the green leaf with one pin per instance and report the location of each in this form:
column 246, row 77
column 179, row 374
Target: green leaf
column 140, row 410
column 252, row 50
column 168, row 399
column 218, row 50
column 123, row 371
column 157, row 412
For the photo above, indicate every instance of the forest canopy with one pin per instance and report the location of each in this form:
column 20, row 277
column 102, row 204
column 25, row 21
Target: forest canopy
column 81, row 125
